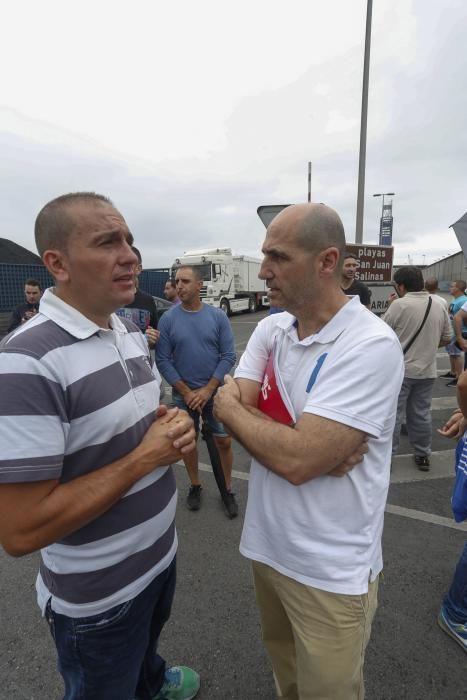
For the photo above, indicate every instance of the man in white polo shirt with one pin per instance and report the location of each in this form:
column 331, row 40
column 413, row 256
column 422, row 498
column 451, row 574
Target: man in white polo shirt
column 313, row 385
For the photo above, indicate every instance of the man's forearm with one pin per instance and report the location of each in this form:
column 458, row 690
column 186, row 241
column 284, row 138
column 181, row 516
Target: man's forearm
column 462, row 393
column 279, row 447
column 70, row 506
column 458, row 327
column 212, row 385
column 181, row 387
column 51, row 510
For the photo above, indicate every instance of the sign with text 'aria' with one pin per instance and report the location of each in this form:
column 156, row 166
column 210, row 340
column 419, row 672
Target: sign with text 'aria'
column 375, row 262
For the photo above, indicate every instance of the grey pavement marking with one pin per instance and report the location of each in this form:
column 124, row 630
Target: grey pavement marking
column 404, row 469
column 426, row 517
column 444, row 402
column 441, row 461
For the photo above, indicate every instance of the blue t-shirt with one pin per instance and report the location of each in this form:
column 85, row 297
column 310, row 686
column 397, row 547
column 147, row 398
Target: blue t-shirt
column 455, row 306
column 195, row 346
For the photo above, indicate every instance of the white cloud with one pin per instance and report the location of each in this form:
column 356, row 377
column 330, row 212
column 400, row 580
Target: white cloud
column 190, row 115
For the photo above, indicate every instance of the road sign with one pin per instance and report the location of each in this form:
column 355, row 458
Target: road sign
column 267, row 212
column 460, row 229
column 380, row 294
column 375, row 262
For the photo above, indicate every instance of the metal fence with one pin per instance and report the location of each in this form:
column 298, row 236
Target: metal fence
column 13, row 277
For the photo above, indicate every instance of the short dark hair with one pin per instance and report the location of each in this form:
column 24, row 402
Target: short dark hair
column 54, row 222
column 195, row 268
column 431, row 284
column 171, row 281
column 411, row 277
column 32, row 283
column 350, row 254
column 460, row 284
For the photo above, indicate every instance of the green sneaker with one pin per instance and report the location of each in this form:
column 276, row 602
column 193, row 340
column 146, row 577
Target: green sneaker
column 181, row 683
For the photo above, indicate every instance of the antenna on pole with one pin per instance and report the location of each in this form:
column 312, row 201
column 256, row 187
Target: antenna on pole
column 309, row 180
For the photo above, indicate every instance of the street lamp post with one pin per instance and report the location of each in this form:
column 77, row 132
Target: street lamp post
column 363, row 124
column 383, row 195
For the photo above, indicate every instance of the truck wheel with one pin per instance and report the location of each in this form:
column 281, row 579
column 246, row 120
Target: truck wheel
column 225, row 306
column 252, row 305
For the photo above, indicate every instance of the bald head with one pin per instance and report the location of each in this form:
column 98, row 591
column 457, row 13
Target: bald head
column 55, row 222
column 315, row 226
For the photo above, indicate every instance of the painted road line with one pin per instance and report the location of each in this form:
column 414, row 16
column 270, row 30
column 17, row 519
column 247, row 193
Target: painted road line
column 391, row 509
column 403, row 471
column 443, row 403
column 425, row 517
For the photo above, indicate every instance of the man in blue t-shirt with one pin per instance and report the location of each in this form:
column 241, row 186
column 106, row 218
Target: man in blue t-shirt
column 194, row 353
column 459, row 298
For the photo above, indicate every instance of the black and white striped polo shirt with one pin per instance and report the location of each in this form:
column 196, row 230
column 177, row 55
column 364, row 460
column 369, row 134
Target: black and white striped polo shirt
column 75, row 397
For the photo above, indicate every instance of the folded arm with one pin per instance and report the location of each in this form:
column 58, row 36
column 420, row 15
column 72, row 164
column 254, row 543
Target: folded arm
column 313, row 447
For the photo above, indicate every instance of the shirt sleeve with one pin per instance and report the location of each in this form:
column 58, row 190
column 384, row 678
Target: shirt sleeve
column 253, row 362
column 227, row 354
column 33, row 420
column 358, row 387
column 164, row 352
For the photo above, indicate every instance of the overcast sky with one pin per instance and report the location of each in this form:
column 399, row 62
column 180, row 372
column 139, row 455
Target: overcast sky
column 190, row 115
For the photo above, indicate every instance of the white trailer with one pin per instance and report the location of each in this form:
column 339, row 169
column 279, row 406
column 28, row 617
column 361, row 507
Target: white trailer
column 230, row 282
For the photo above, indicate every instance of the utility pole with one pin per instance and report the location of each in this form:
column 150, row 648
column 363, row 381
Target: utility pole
column 309, row 181
column 363, row 123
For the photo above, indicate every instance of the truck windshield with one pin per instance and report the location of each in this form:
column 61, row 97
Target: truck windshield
column 205, row 271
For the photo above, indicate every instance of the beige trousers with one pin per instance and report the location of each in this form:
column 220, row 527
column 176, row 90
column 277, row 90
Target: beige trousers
column 316, row 640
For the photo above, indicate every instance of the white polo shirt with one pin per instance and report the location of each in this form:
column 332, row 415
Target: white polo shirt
column 326, row 533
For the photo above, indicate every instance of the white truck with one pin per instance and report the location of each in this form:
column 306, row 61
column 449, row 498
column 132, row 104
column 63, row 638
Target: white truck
column 230, row 282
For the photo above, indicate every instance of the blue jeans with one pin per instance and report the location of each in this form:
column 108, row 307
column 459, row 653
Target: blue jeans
column 455, row 600
column 113, row 656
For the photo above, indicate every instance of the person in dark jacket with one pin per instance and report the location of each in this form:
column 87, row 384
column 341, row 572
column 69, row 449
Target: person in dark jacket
column 23, row 312
column 142, row 310
column 349, row 284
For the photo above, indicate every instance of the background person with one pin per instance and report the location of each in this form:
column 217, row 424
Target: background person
column 142, row 310
column 454, row 350
column 431, row 286
column 196, row 349
column 170, row 292
column 315, row 541
column 349, row 284
column 89, row 484
column 405, row 316
column 24, row 312
column 452, row 617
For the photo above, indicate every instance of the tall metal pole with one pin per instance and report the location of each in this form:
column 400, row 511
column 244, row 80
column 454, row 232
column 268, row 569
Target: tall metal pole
column 363, row 122
column 381, row 223
column 309, row 181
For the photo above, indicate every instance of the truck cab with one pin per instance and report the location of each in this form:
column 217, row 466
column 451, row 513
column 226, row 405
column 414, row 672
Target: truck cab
column 230, row 282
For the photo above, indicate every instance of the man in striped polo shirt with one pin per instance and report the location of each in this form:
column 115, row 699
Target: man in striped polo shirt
column 92, row 469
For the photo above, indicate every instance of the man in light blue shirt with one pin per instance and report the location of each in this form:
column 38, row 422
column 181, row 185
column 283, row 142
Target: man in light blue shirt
column 457, row 289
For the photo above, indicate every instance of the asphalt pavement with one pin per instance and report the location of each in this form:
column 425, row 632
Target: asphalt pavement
column 214, row 626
